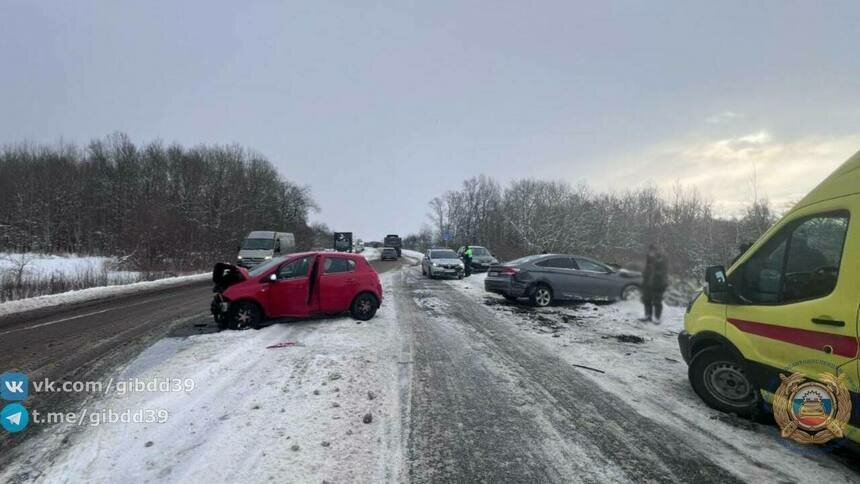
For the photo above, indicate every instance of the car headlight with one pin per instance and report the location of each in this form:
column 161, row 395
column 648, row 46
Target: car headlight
column 435, row 264
column 240, row 257
column 267, row 257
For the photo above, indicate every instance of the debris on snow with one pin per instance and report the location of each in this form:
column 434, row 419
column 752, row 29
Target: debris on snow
column 285, row 344
column 629, row 338
column 587, row 368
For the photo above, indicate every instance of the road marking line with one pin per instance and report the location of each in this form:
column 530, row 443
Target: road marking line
column 57, row 321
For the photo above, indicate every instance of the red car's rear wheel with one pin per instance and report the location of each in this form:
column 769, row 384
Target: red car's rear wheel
column 364, row 306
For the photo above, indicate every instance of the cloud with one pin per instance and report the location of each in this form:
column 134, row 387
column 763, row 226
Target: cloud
column 732, row 171
column 723, row 117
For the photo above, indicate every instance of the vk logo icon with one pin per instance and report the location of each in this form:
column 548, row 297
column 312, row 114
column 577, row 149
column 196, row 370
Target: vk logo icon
column 14, row 417
column 14, row 386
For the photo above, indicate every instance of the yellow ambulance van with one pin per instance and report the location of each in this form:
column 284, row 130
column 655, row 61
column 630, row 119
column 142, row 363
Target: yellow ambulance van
column 789, row 305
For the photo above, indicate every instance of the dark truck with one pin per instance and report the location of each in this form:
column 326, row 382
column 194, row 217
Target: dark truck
column 393, row 240
column 343, row 241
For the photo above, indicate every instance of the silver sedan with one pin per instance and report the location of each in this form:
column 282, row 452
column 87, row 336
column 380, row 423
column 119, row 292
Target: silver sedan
column 549, row 277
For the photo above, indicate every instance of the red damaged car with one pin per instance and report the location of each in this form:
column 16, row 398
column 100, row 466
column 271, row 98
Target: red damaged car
column 295, row 286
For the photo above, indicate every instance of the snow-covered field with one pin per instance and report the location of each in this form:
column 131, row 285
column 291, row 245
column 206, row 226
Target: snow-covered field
column 94, row 293
column 642, row 364
column 65, row 266
column 295, row 412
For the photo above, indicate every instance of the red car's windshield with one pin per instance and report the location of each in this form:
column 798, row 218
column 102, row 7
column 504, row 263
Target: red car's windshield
column 262, row 268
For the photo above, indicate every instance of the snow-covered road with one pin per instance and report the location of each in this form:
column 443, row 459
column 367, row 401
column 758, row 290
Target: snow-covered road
column 460, row 386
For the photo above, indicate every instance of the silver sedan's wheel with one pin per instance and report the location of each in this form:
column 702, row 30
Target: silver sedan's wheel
column 542, row 296
column 631, row 293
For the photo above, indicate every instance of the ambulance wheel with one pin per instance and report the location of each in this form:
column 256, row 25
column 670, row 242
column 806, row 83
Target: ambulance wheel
column 721, row 379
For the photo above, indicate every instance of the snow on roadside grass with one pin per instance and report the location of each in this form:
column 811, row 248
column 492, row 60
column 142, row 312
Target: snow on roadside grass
column 642, row 364
column 252, row 405
column 371, row 253
column 66, row 266
column 94, row 293
column 47, row 264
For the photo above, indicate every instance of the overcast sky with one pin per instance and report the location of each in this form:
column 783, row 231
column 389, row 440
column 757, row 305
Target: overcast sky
column 380, row 106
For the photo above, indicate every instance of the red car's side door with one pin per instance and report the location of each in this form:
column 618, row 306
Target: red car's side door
column 290, row 294
column 338, row 284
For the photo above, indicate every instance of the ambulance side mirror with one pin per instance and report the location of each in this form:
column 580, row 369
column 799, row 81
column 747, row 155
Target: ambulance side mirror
column 718, row 287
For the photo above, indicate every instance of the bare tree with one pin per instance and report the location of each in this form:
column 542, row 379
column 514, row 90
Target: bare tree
column 160, row 207
column 530, row 216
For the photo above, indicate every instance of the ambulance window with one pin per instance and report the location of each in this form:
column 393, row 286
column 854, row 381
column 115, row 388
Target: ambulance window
column 814, row 257
column 760, row 278
column 801, row 262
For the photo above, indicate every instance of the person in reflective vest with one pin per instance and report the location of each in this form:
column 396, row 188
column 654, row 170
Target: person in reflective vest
column 467, row 261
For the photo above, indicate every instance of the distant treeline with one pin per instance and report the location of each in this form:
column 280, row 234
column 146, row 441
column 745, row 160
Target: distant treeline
column 531, row 216
column 161, row 207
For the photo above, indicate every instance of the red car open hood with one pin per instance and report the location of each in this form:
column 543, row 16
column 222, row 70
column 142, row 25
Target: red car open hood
column 225, row 275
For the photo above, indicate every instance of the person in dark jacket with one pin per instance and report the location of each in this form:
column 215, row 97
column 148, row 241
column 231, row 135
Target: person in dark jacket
column 655, row 279
column 467, row 261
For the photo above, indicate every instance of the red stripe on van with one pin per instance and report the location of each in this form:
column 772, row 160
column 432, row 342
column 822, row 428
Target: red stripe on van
column 845, row 346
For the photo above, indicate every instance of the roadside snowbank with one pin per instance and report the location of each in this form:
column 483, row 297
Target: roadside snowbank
column 371, row 254
column 642, row 364
column 413, row 255
column 94, row 293
column 291, row 413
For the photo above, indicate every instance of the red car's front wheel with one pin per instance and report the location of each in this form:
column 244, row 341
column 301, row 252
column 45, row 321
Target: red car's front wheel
column 244, row 315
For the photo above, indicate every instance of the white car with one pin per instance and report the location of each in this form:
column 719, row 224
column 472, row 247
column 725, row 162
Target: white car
column 442, row 262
